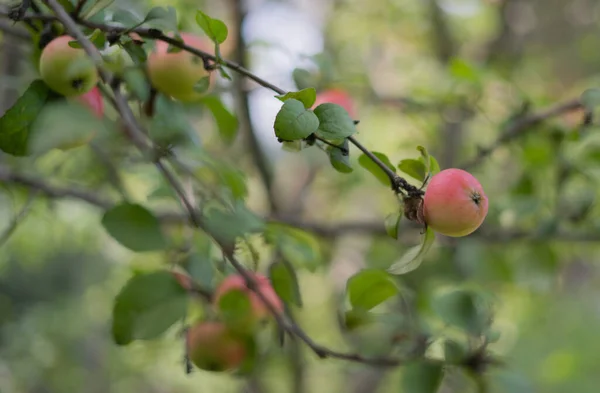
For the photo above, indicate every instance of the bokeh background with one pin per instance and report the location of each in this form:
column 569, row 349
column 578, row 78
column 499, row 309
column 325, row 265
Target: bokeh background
column 445, row 74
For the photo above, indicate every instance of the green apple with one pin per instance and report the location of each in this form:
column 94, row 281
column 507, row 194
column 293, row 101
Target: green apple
column 178, row 74
column 66, row 70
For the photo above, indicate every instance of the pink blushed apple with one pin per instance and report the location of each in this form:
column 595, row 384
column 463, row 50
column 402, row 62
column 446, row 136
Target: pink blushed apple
column 455, row 204
column 337, row 96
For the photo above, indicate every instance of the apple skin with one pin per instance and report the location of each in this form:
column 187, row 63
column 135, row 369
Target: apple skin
column 175, row 74
column 260, row 310
column 212, row 347
column 67, row 71
column 93, row 100
column 455, row 204
column 337, row 96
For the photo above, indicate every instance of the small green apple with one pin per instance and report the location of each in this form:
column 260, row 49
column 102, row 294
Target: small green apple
column 66, row 70
column 179, row 74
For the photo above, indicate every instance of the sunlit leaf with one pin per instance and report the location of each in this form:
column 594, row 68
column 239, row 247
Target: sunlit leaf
column 285, row 282
column 215, row 29
column 369, row 165
column 306, row 96
column 413, row 258
column 369, row 288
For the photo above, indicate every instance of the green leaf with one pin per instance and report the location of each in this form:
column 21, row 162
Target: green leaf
column 163, row 18
column 136, row 82
column 369, row 165
column 392, row 224
column 215, row 29
column 285, row 282
column 226, row 226
column 227, row 122
column 236, row 309
column 369, row 288
column 339, row 160
column 92, row 8
column 202, row 85
column 136, row 52
column 126, row 17
column 413, row 168
column 306, row 96
column 201, row 269
column 334, row 122
column 590, row 98
column 170, row 124
column 98, row 38
column 15, row 124
column 454, row 352
column 148, row 305
column 459, row 308
column 294, row 121
column 422, row 376
column 134, row 227
column 462, row 70
column 51, row 131
column 303, row 78
column 413, row 258
column 296, row 246
column 434, row 167
column 356, row 318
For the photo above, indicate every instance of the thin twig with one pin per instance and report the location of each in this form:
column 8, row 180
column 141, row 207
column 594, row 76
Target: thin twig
column 18, row 218
column 520, row 125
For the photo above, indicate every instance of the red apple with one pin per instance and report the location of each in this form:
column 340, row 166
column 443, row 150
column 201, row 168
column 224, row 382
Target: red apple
column 93, row 100
column 337, row 96
column 67, row 70
column 212, row 347
column 176, row 74
column 259, row 309
column 454, row 204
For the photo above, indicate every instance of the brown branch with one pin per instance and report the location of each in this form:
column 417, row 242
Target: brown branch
column 521, row 125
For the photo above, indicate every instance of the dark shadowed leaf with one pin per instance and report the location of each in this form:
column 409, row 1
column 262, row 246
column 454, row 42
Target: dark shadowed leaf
column 392, row 224
column 334, row 122
column 126, row 17
column 339, row 159
column 148, row 305
column 590, row 98
column 369, row 288
column 170, row 124
column 285, row 282
column 460, row 308
column 202, row 85
column 297, row 246
column 294, row 121
column 369, row 165
column 413, row 258
column 215, row 29
column 306, row 96
column 15, row 124
column 356, row 318
column 136, row 82
column 134, row 227
column 236, row 309
column 454, row 352
column 227, row 122
column 422, row 376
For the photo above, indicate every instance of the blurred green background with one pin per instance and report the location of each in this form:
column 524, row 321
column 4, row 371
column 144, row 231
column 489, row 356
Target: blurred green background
column 445, row 74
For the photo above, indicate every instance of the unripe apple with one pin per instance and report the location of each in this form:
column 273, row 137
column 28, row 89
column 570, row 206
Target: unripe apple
column 454, row 204
column 337, row 96
column 259, row 309
column 66, row 70
column 175, row 74
column 212, row 347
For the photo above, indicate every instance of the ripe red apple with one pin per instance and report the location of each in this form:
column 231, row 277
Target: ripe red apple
column 337, row 96
column 259, row 309
column 454, row 204
column 175, row 74
column 66, row 70
column 212, row 347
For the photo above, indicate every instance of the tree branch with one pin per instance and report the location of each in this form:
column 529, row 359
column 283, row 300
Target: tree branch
column 520, row 125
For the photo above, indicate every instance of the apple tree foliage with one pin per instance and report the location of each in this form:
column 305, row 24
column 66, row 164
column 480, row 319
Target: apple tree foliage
column 209, row 241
